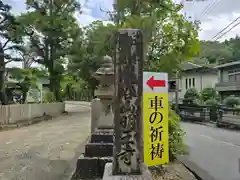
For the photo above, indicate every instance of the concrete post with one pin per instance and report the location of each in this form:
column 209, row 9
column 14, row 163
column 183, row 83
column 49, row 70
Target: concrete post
column 128, row 103
column 96, row 109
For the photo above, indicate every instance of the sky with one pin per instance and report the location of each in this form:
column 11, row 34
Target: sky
column 213, row 14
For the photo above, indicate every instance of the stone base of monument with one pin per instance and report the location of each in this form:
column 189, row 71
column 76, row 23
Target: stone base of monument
column 90, row 167
column 98, row 149
column 102, row 135
column 98, row 152
column 145, row 174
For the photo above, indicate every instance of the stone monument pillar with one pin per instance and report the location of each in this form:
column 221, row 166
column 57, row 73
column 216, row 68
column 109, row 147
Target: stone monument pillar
column 128, row 134
column 102, row 113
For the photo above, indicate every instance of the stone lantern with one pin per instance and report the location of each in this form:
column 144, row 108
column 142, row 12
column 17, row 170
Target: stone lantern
column 102, row 114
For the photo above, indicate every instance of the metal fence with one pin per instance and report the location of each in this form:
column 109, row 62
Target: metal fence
column 229, row 116
column 203, row 113
column 194, row 113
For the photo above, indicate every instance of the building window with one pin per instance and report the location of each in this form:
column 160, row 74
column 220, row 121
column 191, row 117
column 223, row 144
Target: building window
column 233, row 75
column 171, row 86
column 193, row 82
column 186, row 83
column 238, row 77
column 190, row 83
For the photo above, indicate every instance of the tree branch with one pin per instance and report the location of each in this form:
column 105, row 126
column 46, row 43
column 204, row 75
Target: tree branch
column 6, row 62
column 5, row 44
column 3, row 20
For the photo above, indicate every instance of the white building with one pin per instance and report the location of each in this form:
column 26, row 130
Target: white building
column 193, row 76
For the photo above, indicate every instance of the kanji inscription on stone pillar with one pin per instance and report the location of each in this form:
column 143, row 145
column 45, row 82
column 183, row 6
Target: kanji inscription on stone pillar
column 128, row 65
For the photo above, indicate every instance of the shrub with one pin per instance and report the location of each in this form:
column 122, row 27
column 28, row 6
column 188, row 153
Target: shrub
column 232, row 101
column 208, row 93
column 191, row 96
column 48, row 96
column 211, row 102
column 176, row 134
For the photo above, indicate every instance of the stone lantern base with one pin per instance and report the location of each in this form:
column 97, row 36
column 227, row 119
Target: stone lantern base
column 98, row 152
column 145, row 174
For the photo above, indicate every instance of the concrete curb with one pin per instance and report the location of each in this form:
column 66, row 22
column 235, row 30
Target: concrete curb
column 210, row 124
column 198, row 172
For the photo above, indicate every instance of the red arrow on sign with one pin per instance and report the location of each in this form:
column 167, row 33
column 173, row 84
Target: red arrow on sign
column 155, row 83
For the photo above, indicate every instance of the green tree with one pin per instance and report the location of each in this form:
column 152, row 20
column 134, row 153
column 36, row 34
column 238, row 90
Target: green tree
column 214, row 51
column 54, row 30
column 10, row 39
column 208, row 93
column 86, row 56
column 71, row 85
column 233, row 44
column 169, row 38
column 232, row 101
column 26, row 80
column 191, row 96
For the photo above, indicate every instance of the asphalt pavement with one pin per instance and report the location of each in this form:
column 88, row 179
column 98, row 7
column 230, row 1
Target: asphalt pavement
column 215, row 150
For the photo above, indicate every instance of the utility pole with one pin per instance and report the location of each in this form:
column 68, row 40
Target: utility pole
column 177, row 91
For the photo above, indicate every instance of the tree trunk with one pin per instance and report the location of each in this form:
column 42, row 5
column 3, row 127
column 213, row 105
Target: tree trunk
column 55, row 86
column 24, row 97
column 3, row 97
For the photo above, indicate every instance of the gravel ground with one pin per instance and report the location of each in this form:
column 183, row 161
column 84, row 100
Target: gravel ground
column 44, row 151
column 175, row 171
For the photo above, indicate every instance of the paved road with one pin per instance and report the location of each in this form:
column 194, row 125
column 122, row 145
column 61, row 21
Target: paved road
column 215, row 150
column 44, row 151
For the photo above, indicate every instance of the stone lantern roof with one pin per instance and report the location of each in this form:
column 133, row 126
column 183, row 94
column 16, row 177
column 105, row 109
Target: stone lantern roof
column 106, row 69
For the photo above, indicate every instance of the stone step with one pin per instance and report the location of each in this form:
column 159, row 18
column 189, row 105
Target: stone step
column 90, row 167
column 99, row 149
column 107, row 128
column 102, row 137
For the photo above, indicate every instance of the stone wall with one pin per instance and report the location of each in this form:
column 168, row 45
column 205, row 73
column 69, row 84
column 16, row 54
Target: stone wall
column 16, row 113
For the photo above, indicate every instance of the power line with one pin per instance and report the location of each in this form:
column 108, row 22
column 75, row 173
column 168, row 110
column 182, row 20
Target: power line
column 210, row 8
column 206, row 9
column 228, row 31
column 226, row 27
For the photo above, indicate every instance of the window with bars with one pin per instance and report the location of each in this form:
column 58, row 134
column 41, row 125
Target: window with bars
column 234, row 75
column 186, row 83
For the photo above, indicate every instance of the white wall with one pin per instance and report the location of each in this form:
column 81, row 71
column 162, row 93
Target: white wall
column 202, row 81
column 15, row 113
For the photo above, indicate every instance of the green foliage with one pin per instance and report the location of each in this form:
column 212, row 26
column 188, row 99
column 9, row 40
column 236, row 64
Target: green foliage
column 169, row 38
column 214, row 51
column 208, row 93
column 232, row 101
column 211, row 102
column 26, row 80
column 176, row 134
column 48, row 96
column 233, row 44
column 10, row 39
column 53, row 30
column 191, row 96
column 86, row 55
column 70, row 86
